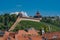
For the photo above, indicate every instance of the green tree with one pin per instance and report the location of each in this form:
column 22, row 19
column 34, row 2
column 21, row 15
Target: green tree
column 6, row 21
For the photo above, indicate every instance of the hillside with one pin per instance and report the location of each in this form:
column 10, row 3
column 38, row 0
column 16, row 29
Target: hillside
column 36, row 25
column 7, row 20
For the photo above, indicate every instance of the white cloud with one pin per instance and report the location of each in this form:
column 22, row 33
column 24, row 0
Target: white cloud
column 24, row 14
column 14, row 13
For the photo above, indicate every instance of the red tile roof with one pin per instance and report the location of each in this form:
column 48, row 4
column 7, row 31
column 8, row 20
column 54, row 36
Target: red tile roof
column 31, row 32
column 28, row 37
column 5, row 35
column 19, row 35
column 52, row 35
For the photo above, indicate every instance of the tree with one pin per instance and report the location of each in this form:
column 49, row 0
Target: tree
column 1, row 19
column 13, row 17
column 6, row 21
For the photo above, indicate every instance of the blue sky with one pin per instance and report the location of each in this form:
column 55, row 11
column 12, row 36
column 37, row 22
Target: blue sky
column 45, row 7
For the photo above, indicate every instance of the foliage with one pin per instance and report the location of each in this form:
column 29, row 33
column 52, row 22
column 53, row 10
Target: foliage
column 29, row 24
column 8, row 20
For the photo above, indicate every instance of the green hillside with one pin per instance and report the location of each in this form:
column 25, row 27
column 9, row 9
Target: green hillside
column 7, row 20
column 36, row 25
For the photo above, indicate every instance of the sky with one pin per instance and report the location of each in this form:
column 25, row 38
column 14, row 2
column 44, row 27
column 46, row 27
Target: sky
column 45, row 7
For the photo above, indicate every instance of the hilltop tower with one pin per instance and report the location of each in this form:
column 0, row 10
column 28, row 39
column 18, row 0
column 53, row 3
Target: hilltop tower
column 37, row 15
